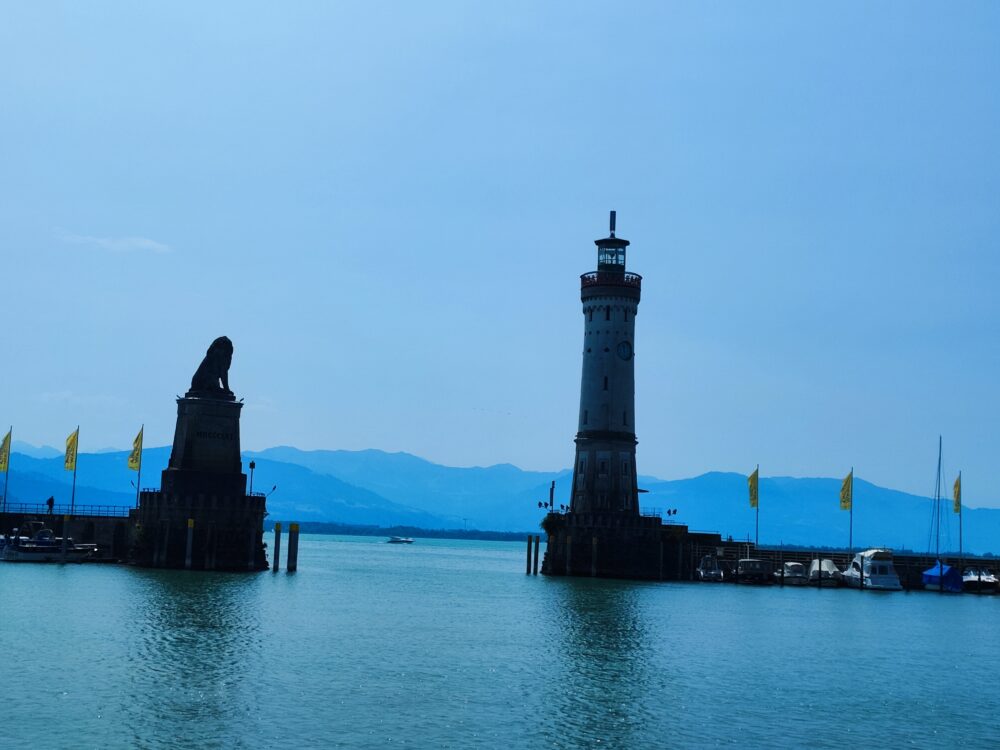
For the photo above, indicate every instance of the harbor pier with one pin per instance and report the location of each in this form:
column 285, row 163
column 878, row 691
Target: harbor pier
column 107, row 526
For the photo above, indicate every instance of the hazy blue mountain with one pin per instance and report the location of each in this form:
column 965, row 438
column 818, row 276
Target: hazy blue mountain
column 375, row 487
column 500, row 497
column 807, row 512
column 104, row 478
column 27, row 449
column 795, row 511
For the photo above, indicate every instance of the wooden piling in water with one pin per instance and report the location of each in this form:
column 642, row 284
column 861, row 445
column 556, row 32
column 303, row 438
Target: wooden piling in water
column 293, row 547
column 593, row 557
column 534, row 568
column 190, row 545
column 65, row 533
column 276, row 564
column 527, row 565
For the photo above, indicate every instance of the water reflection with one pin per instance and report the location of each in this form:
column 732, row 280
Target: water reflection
column 605, row 678
column 194, row 657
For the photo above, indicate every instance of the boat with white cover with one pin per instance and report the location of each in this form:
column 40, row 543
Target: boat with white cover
column 873, row 569
column 824, row 573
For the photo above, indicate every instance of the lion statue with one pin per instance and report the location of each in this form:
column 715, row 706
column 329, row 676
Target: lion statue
column 213, row 369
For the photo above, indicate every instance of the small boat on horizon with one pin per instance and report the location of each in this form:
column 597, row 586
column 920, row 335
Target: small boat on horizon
column 399, row 540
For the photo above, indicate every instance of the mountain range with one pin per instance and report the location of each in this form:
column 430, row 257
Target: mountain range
column 387, row 489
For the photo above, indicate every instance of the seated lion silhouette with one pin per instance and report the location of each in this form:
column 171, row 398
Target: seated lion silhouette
column 213, row 369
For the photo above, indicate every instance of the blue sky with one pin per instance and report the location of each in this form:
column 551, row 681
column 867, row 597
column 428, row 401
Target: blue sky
column 387, row 207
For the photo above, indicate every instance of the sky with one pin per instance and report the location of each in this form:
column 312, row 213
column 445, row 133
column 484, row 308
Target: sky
column 387, row 206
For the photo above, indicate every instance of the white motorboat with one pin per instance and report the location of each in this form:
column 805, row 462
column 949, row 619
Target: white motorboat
column 824, row 573
column 399, row 540
column 791, row 574
column 979, row 580
column 873, row 569
column 44, row 546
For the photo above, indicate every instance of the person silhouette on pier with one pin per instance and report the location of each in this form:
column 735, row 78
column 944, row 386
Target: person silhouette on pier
column 50, row 502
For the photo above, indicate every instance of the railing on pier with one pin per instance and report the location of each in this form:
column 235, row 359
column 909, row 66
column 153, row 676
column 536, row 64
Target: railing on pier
column 606, row 278
column 42, row 509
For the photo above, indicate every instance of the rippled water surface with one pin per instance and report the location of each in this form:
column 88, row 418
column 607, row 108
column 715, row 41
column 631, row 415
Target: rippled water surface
column 449, row 644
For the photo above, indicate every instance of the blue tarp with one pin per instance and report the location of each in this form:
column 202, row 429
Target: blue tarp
column 951, row 578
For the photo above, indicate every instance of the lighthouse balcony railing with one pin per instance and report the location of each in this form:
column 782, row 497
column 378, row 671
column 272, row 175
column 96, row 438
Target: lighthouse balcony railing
column 608, row 278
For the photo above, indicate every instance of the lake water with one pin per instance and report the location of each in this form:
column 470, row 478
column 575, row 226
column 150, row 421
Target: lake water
column 448, row 644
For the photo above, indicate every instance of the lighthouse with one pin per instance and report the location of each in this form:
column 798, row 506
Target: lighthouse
column 604, row 475
column 602, row 532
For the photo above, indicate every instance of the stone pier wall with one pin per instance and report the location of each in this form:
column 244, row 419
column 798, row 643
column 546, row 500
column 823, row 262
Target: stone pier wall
column 227, row 531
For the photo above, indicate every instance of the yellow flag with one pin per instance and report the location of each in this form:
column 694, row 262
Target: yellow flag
column 752, row 484
column 847, row 491
column 135, row 457
column 71, row 442
column 5, row 452
column 957, row 492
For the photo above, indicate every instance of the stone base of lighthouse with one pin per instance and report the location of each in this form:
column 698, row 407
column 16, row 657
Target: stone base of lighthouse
column 614, row 545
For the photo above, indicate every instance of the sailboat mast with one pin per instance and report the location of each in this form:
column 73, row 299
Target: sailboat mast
column 961, row 553
column 937, row 515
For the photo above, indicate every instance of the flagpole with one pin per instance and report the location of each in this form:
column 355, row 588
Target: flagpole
column 961, row 557
column 6, row 474
column 138, row 477
column 850, row 533
column 76, row 459
column 756, row 531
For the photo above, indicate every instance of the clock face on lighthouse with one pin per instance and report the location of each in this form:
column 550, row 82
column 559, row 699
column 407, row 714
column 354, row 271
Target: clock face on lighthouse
column 625, row 350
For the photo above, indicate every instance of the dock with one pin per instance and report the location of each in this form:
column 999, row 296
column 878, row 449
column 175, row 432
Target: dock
column 107, row 526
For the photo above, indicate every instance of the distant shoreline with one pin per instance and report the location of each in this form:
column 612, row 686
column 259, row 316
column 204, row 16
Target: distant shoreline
column 322, row 527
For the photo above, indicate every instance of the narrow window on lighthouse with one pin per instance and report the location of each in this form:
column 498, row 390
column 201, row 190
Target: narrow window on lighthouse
column 626, row 315
column 605, row 382
column 625, row 418
column 585, row 416
column 607, row 312
column 590, row 314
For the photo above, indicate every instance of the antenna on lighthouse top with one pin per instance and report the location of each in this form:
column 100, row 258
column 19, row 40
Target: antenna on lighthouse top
column 612, row 223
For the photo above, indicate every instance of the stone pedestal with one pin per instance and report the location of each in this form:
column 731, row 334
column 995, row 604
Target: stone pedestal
column 615, row 545
column 203, row 483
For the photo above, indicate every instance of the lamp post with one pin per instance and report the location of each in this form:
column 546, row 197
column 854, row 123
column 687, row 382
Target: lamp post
column 253, row 466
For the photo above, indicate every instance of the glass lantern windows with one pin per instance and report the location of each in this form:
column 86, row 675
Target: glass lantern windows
column 611, row 258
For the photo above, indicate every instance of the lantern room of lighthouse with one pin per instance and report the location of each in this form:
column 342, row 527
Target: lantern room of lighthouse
column 604, row 476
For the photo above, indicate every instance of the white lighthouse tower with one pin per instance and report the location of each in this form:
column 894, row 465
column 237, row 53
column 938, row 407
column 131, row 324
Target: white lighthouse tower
column 604, row 476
